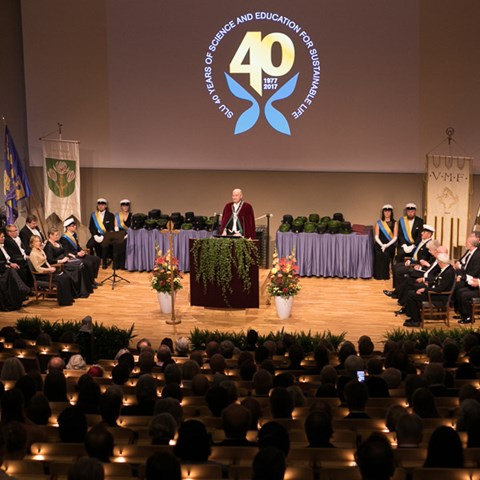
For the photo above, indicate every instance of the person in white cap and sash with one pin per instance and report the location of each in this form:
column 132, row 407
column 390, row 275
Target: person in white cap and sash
column 386, row 233
column 409, row 232
column 420, row 252
column 123, row 221
column 101, row 221
column 73, row 249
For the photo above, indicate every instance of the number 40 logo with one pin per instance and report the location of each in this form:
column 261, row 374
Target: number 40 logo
column 259, row 54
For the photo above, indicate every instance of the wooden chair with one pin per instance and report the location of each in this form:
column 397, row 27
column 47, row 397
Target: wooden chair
column 475, row 308
column 446, row 474
column 42, row 287
column 25, row 469
column 233, row 455
column 323, row 457
column 57, row 451
column 113, row 471
column 353, row 473
column 202, row 471
column 240, row 472
column 137, row 454
column 434, row 310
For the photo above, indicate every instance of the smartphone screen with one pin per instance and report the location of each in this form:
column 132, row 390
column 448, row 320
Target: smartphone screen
column 360, row 375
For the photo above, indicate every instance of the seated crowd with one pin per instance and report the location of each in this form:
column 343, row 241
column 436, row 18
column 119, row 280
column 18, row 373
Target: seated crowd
column 27, row 259
column 254, row 413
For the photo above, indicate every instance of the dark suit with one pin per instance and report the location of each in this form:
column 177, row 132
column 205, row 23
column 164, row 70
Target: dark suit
column 443, row 282
column 472, row 267
column 412, row 283
column 16, row 256
column 464, row 293
column 13, row 290
column 92, row 244
column 91, row 262
column 401, row 272
column 415, row 232
column 25, row 236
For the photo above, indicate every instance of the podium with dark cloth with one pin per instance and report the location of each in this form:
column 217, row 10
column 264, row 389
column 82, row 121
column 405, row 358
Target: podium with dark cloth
column 224, row 272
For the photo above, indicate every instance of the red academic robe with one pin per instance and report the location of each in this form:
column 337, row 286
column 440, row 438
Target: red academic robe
column 245, row 216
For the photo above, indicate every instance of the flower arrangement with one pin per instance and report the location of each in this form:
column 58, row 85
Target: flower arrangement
column 162, row 272
column 284, row 279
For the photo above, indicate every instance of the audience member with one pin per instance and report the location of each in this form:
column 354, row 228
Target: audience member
column 86, row 469
column 235, row 423
column 375, row 458
column 269, row 464
column 162, row 429
column 281, row 403
column 423, row 403
column 356, row 397
column 444, row 449
column 273, row 434
column 12, row 369
column 99, row 443
column 162, row 466
column 409, row 429
column 319, row 430
column 72, row 425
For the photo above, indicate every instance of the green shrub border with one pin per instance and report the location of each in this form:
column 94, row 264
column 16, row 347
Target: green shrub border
column 199, row 338
column 421, row 337
column 107, row 340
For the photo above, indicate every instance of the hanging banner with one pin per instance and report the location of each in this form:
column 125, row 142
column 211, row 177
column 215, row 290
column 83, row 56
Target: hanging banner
column 62, row 178
column 448, row 198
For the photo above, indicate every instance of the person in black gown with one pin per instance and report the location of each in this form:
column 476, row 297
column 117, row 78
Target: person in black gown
column 73, row 249
column 71, row 266
column 123, row 221
column 13, row 291
column 386, row 233
column 65, row 287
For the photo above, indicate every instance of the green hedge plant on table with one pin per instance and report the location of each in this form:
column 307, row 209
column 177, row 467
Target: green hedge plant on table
column 107, row 340
column 308, row 340
column 214, row 260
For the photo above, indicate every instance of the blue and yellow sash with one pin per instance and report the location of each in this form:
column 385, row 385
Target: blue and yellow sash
column 71, row 239
column 407, row 234
column 386, row 230
column 420, row 245
column 120, row 223
column 99, row 223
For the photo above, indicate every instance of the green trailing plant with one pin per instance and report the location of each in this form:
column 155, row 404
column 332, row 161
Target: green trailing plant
column 200, row 337
column 107, row 340
column 215, row 259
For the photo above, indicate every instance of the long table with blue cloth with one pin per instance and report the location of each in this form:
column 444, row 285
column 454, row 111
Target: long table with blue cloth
column 327, row 255
column 141, row 247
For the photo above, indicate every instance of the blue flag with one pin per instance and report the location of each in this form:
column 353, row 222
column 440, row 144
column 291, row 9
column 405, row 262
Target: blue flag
column 15, row 182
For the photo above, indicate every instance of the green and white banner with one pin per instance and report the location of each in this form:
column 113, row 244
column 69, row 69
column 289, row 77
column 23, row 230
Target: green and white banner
column 62, row 178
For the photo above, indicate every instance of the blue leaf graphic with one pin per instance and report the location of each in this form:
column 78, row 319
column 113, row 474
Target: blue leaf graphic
column 250, row 116
column 275, row 118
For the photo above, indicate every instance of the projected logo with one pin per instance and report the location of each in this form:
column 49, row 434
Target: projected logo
column 268, row 61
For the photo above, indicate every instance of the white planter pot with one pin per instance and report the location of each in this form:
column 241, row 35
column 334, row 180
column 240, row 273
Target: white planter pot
column 284, row 307
column 165, row 301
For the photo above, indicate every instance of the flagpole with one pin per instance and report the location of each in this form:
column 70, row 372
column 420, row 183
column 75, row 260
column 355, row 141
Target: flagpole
column 173, row 320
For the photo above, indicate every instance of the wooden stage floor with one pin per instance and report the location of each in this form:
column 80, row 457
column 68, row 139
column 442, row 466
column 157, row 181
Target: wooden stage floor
column 355, row 306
